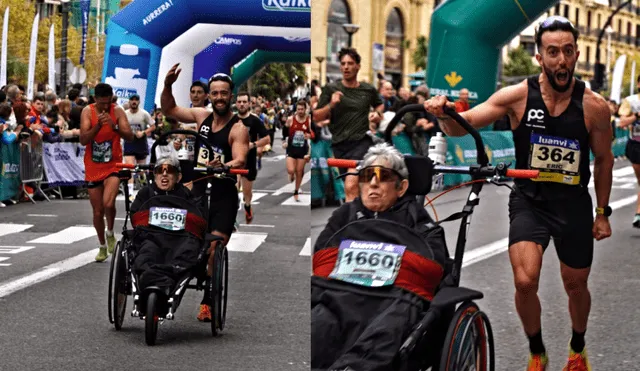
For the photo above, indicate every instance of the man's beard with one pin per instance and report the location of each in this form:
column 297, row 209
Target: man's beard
column 552, row 80
column 224, row 111
column 243, row 112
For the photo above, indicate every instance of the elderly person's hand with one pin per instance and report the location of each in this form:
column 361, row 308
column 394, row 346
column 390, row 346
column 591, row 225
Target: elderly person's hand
column 382, row 178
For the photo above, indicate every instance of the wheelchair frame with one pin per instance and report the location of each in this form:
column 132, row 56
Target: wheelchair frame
column 151, row 305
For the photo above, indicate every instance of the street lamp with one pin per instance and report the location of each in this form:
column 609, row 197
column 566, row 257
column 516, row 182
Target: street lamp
column 320, row 59
column 599, row 69
column 350, row 28
column 608, row 31
column 63, row 47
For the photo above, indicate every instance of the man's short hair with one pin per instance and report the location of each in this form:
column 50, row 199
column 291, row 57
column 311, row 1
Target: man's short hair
column 222, row 77
column 350, row 52
column 302, row 102
column 38, row 97
column 200, row 84
column 103, row 90
column 74, row 94
column 555, row 23
column 243, row 94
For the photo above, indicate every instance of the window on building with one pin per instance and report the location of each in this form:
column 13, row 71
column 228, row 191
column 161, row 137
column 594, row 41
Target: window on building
column 393, row 48
column 566, row 11
column 337, row 37
column 588, row 56
column 577, row 23
column 599, row 25
column 557, row 12
column 529, row 46
column 589, row 20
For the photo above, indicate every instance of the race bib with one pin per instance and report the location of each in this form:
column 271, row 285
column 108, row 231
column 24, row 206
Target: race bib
column 298, row 139
column 168, row 218
column 101, row 152
column 190, row 144
column 371, row 264
column 558, row 159
column 204, row 155
column 635, row 131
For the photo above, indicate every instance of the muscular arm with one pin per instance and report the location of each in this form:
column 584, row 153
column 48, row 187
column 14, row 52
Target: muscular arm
column 87, row 133
column 263, row 134
column 239, row 140
column 597, row 109
column 323, row 113
column 486, row 113
column 124, row 129
column 380, row 110
column 182, row 114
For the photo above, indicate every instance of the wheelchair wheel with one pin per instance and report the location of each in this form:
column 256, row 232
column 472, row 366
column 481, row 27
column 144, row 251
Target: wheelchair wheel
column 468, row 344
column 218, row 289
column 110, row 293
column 118, row 287
column 151, row 319
column 222, row 288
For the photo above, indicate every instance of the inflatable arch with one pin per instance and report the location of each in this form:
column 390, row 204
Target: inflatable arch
column 231, row 53
column 147, row 37
column 468, row 36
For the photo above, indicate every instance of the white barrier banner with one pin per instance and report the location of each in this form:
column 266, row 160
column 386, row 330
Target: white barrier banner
column 64, row 164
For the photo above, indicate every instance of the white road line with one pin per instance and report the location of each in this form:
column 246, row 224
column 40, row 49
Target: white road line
column 246, row 242
column 43, row 215
column 6, row 228
column 306, row 250
column 47, row 272
column 2, row 258
column 66, row 236
column 121, row 219
column 258, row 225
column 305, row 200
column 485, row 252
column 290, row 187
column 14, row 249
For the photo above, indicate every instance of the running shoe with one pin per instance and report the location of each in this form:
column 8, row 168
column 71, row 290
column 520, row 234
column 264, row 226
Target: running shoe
column 636, row 221
column 295, row 196
column 102, row 254
column 111, row 243
column 236, row 226
column 537, row 362
column 205, row 313
column 248, row 214
column 577, row 361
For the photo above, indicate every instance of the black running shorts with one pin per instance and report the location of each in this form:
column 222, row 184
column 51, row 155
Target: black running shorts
column 222, row 214
column 569, row 222
column 632, row 151
column 351, row 150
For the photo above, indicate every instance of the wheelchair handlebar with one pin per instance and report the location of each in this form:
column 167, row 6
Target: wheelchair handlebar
column 482, row 157
column 208, row 170
column 480, row 171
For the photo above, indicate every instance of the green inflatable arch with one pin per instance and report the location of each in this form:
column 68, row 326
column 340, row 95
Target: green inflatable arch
column 249, row 66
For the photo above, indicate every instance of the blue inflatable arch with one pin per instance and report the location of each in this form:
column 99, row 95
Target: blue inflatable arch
column 147, row 37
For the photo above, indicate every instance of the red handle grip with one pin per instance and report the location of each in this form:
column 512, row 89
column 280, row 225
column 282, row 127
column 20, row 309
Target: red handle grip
column 126, row 166
column 336, row 162
column 522, row 174
column 239, row 171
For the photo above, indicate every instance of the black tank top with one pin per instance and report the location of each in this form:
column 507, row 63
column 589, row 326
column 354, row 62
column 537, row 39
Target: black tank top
column 557, row 146
column 222, row 149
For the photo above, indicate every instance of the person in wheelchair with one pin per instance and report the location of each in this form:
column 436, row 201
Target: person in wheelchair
column 169, row 229
column 376, row 266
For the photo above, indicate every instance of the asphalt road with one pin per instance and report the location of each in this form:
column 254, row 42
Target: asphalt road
column 613, row 332
column 55, row 317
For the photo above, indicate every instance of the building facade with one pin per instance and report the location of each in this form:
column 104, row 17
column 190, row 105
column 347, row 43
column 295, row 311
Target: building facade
column 386, row 36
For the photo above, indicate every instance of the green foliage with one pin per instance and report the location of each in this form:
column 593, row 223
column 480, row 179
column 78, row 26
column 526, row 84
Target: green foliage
column 520, row 63
column 419, row 56
column 277, row 80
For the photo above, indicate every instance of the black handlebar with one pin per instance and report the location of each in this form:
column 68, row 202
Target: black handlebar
column 482, row 158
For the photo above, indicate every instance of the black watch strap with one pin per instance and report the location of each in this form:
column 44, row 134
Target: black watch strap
column 606, row 211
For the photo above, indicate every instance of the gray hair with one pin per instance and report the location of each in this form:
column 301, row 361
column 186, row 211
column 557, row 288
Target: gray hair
column 169, row 159
column 390, row 154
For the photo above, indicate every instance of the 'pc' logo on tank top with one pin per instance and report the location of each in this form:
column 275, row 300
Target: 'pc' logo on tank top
column 535, row 114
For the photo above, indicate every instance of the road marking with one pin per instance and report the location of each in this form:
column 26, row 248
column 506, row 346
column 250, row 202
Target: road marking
column 273, row 159
column 6, row 228
column 306, row 250
column 258, row 225
column 2, row 258
column 246, row 241
column 121, row 219
column 14, row 249
column 500, row 246
column 47, row 272
column 305, row 200
column 290, row 187
column 66, row 236
column 43, row 215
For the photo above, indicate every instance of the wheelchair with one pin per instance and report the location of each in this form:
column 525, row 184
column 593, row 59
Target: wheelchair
column 151, row 304
column 451, row 333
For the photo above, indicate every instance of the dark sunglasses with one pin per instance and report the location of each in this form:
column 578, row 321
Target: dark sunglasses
column 550, row 21
column 383, row 174
column 170, row 169
column 221, row 77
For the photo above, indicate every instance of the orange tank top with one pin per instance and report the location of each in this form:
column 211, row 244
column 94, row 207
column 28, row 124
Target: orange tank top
column 104, row 151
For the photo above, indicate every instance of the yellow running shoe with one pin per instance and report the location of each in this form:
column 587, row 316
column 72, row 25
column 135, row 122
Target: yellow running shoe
column 577, row 361
column 537, row 362
column 102, row 254
column 111, row 244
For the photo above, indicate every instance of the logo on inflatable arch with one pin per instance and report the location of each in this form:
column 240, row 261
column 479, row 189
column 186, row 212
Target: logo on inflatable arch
column 295, row 39
column 227, row 41
column 124, row 92
column 287, row 5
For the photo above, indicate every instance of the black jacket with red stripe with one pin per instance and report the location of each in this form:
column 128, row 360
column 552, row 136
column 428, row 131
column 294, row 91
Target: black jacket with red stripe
column 363, row 327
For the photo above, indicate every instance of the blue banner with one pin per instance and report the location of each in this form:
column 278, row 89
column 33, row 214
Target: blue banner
column 84, row 9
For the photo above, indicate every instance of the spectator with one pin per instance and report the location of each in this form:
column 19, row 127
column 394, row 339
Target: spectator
column 462, row 104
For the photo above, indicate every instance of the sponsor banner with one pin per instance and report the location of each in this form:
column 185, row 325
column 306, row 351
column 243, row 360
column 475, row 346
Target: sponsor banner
column 64, row 164
column 10, row 171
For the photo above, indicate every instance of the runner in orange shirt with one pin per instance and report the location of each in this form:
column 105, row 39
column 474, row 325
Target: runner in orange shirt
column 101, row 126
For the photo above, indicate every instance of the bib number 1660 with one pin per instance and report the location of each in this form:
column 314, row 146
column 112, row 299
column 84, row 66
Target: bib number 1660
column 373, row 259
column 168, row 216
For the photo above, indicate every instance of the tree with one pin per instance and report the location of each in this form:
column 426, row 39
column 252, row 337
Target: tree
column 277, row 80
column 21, row 16
column 520, row 63
column 420, row 54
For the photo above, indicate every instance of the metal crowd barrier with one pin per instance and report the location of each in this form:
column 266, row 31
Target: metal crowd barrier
column 32, row 166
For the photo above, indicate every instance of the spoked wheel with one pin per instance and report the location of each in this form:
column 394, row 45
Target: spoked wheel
column 218, row 289
column 118, row 289
column 468, row 345
column 110, row 293
column 151, row 319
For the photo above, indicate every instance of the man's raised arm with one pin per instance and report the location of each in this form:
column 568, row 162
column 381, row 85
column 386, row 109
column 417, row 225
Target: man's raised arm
column 168, row 102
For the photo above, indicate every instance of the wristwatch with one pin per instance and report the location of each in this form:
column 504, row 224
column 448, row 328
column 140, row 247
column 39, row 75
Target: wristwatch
column 606, row 211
